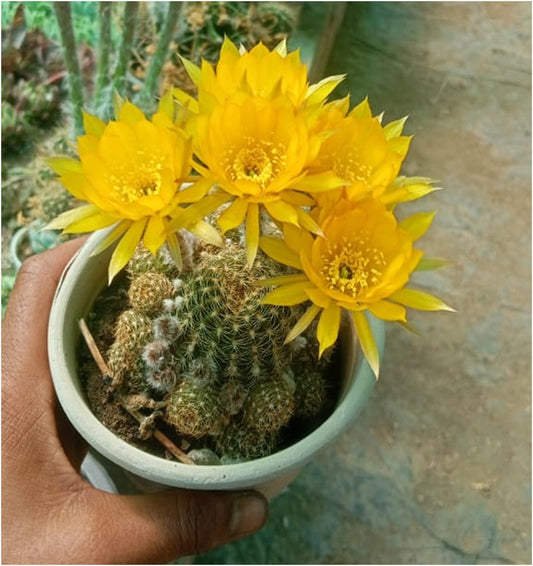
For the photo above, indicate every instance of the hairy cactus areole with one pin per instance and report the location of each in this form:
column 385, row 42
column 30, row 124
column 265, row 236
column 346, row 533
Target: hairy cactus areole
column 204, row 348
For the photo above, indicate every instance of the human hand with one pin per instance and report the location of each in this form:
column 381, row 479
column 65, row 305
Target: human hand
column 49, row 513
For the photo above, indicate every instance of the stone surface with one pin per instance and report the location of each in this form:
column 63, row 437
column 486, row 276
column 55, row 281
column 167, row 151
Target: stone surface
column 438, row 468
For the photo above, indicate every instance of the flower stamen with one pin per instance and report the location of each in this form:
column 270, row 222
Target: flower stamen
column 133, row 181
column 352, row 267
column 258, row 161
column 350, row 167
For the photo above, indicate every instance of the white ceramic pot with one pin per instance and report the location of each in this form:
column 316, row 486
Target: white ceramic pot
column 82, row 282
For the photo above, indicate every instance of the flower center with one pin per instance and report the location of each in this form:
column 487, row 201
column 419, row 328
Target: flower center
column 352, row 266
column 137, row 179
column 349, row 166
column 258, row 161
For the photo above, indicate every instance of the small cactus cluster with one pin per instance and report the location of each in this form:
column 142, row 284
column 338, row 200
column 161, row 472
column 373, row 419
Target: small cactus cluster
column 244, row 24
column 27, row 106
column 32, row 90
column 203, row 341
column 49, row 200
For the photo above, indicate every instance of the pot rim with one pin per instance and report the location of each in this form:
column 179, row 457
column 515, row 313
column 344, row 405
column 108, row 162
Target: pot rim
column 62, row 361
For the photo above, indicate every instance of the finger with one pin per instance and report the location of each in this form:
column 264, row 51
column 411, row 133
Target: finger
column 164, row 526
column 26, row 318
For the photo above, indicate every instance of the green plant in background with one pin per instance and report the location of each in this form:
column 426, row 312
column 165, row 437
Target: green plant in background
column 41, row 15
column 32, row 94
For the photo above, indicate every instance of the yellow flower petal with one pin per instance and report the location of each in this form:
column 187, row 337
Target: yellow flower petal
column 320, row 182
column 287, row 295
column 388, row 311
column 234, row 215
column 417, row 224
column 298, row 199
column 277, row 249
column 90, row 223
column 71, row 216
column 318, row 297
column 328, row 327
column 64, row 165
column 366, row 340
column 112, row 237
column 118, row 102
column 154, row 235
column 184, row 217
column 166, row 104
column 297, row 240
column 281, row 280
column 362, row 110
column 305, row 221
column 76, row 184
column 130, row 114
column 430, row 263
column 252, row 233
column 125, row 248
column 281, row 47
column 318, row 92
column 405, row 189
column 186, row 101
column 419, row 300
column 305, row 320
column 206, row 232
column 193, row 70
column 175, row 250
column 394, row 129
column 92, row 125
column 282, row 211
column 195, row 192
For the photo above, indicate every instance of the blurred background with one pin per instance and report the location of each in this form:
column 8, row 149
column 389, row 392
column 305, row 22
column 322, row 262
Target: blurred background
column 437, row 469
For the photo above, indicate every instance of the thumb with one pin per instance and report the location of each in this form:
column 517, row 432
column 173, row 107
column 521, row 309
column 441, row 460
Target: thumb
column 163, row 526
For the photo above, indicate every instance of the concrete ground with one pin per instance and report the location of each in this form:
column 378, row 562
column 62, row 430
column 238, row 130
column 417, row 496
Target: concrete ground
column 438, row 467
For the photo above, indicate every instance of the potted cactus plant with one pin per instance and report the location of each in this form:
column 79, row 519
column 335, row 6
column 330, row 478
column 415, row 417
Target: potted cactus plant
column 246, row 247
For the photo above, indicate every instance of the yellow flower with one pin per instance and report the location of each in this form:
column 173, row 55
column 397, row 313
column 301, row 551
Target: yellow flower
column 362, row 151
column 363, row 262
column 259, row 72
column 257, row 152
column 131, row 172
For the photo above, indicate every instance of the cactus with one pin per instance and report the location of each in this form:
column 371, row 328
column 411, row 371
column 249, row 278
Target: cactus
column 15, row 131
column 132, row 331
column 143, row 260
column 148, row 291
column 269, row 406
column 310, row 394
column 193, row 408
column 240, row 443
column 204, row 342
column 41, row 104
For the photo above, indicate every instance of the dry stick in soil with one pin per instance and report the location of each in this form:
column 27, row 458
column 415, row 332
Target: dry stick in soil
column 104, row 370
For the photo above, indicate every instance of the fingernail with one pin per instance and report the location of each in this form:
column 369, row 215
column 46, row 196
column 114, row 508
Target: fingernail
column 249, row 512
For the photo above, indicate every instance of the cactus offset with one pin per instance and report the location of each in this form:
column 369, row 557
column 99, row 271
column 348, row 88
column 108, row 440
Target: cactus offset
column 194, row 409
column 148, row 291
column 240, row 443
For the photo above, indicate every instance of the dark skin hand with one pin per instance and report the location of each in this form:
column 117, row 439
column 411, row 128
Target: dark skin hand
column 49, row 513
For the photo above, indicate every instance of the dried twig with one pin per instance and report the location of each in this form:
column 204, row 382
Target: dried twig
column 104, row 370
column 93, row 348
column 164, row 440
